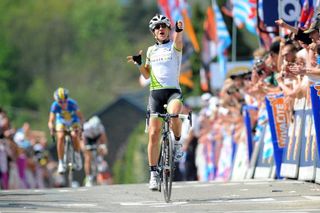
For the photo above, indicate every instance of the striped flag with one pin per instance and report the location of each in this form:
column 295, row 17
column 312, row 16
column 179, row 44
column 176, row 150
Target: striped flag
column 215, row 42
column 224, row 40
column 245, row 14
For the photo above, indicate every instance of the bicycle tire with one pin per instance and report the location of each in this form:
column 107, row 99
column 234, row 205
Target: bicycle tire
column 167, row 171
column 93, row 167
column 69, row 161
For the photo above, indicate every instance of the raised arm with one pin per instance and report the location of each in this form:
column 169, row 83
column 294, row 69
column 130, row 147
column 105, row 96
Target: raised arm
column 177, row 37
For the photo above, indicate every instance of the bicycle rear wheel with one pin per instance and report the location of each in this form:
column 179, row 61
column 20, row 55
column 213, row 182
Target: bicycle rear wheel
column 69, row 161
column 167, row 172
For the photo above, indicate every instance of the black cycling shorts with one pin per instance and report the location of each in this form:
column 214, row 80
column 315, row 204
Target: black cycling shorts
column 158, row 98
column 91, row 141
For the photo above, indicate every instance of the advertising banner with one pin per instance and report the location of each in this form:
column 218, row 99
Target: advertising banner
column 308, row 149
column 278, row 124
column 291, row 155
column 247, row 121
column 288, row 10
column 315, row 101
column 265, row 163
column 241, row 161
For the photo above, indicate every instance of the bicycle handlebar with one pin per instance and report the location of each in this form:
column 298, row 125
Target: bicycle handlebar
column 167, row 115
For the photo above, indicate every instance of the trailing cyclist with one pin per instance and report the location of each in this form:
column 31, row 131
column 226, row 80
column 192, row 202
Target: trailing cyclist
column 65, row 113
column 93, row 135
column 162, row 66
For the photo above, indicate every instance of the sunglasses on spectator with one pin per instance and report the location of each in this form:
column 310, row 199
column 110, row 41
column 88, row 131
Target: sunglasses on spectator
column 231, row 91
column 162, row 25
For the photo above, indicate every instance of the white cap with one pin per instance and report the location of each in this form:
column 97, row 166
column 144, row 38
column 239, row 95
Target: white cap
column 213, row 103
column 206, row 96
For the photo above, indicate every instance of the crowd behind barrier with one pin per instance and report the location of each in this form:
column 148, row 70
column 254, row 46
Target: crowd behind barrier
column 24, row 158
column 265, row 121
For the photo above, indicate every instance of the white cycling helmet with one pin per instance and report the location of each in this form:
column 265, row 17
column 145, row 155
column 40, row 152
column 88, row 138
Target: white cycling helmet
column 95, row 121
column 158, row 19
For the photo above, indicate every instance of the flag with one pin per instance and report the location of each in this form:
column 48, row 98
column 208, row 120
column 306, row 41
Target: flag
column 190, row 31
column 215, row 42
column 306, row 13
column 210, row 37
column 178, row 10
column 224, row 39
column 204, row 83
column 266, row 31
column 245, row 14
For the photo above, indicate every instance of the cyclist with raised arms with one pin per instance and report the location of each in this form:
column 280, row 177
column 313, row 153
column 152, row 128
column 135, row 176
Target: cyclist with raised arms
column 162, row 66
column 64, row 112
column 94, row 134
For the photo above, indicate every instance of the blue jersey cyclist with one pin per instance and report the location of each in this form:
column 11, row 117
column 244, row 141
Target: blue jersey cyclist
column 65, row 113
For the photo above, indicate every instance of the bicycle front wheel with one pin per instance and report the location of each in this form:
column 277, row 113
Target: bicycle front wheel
column 69, row 161
column 167, row 172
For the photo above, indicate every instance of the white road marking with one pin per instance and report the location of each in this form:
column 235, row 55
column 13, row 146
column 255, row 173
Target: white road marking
column 312, row 197
column 63, row 190
column 244, row 200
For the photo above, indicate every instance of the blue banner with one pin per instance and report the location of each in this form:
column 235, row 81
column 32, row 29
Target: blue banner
column 247, row 122
column 314, row 89
column 288, row 10
column 278, row 126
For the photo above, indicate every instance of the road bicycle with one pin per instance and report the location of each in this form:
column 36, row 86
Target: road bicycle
column 68, row 156
column 165, row 165
column 94, row 162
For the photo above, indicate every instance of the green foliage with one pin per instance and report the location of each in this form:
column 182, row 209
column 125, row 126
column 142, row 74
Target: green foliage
column 133, row 167
column 78, row 44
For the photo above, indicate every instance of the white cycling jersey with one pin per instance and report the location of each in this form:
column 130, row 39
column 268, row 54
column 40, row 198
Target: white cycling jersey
column 92, row 131
column 164, row 61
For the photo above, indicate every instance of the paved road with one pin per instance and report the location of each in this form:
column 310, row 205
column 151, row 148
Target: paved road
column 249, row 196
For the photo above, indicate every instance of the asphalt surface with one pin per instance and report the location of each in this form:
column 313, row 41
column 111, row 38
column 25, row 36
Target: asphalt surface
column 247, row 196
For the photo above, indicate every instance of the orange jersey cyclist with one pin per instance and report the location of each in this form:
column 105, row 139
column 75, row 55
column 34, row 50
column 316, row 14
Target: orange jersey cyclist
column 65, row 113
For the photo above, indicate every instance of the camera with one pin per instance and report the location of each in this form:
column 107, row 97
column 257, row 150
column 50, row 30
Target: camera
column 259, row 62
column 260, row 72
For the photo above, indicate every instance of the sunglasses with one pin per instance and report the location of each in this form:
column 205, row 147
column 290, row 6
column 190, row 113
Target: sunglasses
column 62, row 102
column 162, row 25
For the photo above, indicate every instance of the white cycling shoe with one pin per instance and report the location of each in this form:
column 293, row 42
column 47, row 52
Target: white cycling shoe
column 89, row 181
column 178, row 154
column 61, row 168
column 153, row 183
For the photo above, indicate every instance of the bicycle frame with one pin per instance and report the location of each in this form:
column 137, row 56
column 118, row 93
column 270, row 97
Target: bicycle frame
column 93, row 163
column 68, row 157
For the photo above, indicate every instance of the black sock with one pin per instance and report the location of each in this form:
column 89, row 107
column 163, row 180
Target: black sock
column 153, row 168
